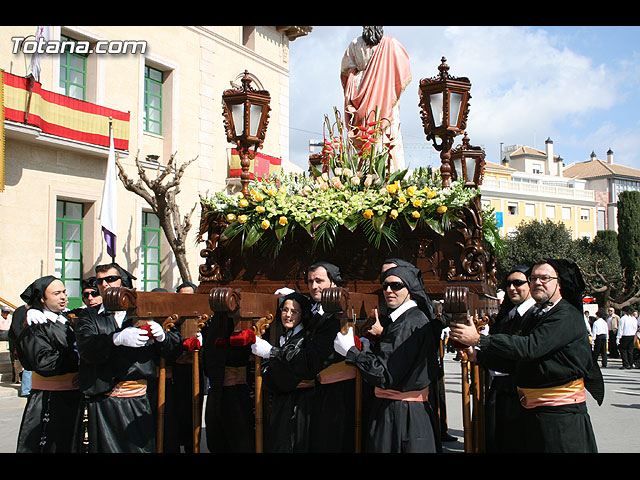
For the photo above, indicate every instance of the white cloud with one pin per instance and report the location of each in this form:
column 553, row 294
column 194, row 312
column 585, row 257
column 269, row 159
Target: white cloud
column 526, row 84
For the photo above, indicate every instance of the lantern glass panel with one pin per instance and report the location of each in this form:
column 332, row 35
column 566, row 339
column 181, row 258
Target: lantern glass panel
column 471, row 168
column 457, row 165
column 454, row 108
column 256, row 115
column 436, row 102
column 237, row 111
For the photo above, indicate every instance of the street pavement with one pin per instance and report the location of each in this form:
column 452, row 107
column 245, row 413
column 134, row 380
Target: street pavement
column 616, row 422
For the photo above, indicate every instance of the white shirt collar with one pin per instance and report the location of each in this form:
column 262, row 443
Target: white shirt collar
column 524, row 306
column 317, row 308
column 296, row 329
column 119, row 316
column 401, row 309
column 54, row 317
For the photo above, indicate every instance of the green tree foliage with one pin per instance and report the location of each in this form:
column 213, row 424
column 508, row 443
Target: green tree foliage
column 598, row 259
column 629, row 234
column 533, row 240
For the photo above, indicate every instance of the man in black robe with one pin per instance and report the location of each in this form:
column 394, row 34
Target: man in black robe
column 45, row 346
column 400, row 365
column 117, row 363
column 332, row 426
column 553, row 363
column 503, row 411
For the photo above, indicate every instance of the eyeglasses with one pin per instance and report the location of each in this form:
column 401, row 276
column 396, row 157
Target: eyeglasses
column 109, row 279
column 395, row 286
column 93, row 294
column 543, row 278
column 515, row 283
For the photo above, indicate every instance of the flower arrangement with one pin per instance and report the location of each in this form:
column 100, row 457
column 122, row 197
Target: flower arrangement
column 355, row 190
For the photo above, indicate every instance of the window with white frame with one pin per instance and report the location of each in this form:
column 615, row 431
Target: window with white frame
column 530, row 210
column 550, row 211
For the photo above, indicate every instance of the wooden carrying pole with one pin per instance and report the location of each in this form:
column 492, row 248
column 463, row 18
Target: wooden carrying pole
column 339, row 301
column 259, row 328
column 162, row 388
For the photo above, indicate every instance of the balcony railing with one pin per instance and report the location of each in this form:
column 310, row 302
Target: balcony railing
column 536, row 189
column 26, row 102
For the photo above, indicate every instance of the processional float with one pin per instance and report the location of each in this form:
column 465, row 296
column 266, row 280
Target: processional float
column 251, row 252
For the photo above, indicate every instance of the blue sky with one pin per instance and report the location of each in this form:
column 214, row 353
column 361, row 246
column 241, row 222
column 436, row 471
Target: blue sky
column 578, row 85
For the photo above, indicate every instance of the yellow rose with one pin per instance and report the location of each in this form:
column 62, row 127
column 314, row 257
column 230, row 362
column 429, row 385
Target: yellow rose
column 282, row 190
column 265, row 224
column 417, row 203
column 231, row 217
column 393, row 213
column 257, row 197
column 411, row 191
column 260, row 209
column 243, row 202
column 282, row 220
column 442, row 209
column 402, row 199
column 368, row 213
column 431, row 193
column 242, row 218
column 415, row 214
column 272, row 192
column 393, row 188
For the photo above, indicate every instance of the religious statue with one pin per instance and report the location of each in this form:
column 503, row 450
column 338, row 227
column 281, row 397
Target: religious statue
column 374, row 73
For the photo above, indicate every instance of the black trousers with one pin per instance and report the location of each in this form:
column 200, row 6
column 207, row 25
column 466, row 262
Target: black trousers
column 613, row 348
column 626, row 350
column 600, row 349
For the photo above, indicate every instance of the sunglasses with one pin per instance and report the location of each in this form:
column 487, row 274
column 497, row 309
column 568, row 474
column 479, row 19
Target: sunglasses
column 109, row 279
column 516, row 283
column 93, row 294
column 395, row 286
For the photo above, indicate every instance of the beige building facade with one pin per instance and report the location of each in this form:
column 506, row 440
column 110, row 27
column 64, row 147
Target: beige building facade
column 529, row 184
column 164, row 100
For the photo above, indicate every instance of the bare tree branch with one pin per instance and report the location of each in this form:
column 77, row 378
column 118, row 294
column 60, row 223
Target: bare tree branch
column 161, row 197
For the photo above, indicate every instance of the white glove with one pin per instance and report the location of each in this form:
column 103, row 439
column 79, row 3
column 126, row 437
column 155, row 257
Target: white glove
column 342, row 343
column 35, row 316
column 131, row 337
column 157, row 332
column 261, row 348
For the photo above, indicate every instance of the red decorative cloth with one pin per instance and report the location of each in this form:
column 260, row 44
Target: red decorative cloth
column 191, row 344
column 243, row 338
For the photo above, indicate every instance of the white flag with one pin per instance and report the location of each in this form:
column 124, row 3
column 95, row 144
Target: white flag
column 109, row 204
column 43, row 33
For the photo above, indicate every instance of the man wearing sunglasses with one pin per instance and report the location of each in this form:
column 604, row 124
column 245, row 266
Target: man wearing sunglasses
column 90, row 295
column 117, row 362
column 400, row 366
column 553, row 366
column 502, row 407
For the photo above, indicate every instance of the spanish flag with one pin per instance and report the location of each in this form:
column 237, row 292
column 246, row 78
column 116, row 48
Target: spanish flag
column 1, row 130
column 260, row 166
column 63, row 116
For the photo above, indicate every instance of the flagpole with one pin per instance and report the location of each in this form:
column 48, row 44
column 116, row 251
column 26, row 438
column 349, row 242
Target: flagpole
column 109, row 206
column 113, row 253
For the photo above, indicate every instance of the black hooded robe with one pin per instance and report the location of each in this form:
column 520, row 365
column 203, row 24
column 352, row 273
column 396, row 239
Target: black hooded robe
column 229, row 413
column 553, row 350
column 116, row 424
column 47, row 350
column 402, row 360
column 291, row 400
